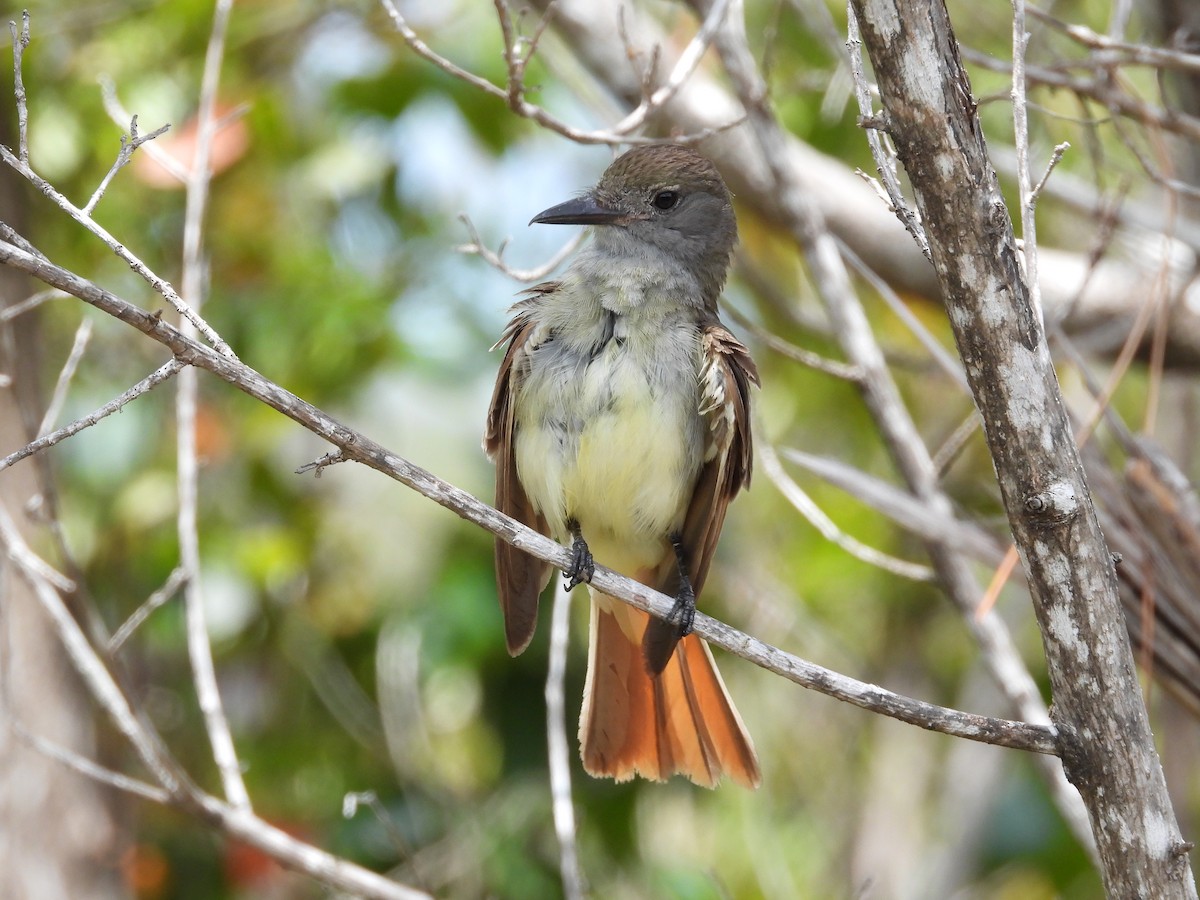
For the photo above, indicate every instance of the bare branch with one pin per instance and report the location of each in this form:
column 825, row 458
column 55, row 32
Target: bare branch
column 1129, row 54
column 155, row 378
column 128, row 145
column 20, row 41
column 808, row 508
column 495, row 259
column 514, row 94
column 86, row 767
column 83, row 334
column 559, row 750
column 885, row 159
column 159, row 284
column 32, row 302
column 204, row 673
column 1055, row 159
column 1020, row 40
column 358, row 447
column 173, row 583
column 119, row 116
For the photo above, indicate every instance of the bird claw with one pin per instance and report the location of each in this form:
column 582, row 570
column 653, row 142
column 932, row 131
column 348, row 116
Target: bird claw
column 582, row 567
column 684, row 609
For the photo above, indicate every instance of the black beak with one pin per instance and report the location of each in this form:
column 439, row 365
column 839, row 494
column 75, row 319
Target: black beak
column 580, row 211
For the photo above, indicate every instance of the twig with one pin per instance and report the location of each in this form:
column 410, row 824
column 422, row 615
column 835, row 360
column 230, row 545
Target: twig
column 1133, row 54
column 174, row 581
column 155, row 378
column 91, row 669
column 204, row 674
column 495, row 259
column 945, row 455
column 20, row 42
column 940, row 355
column 559, row 748
column 1020, row 39
column 805, row 505
column 17, row 309
column 359, row 448
column 885, row 161
column 1055, row 159
column 798, row 354
column 128, row 145
column 900, row 506
column 684, row 67
column 1099, row 90
column 159, row 284
column 83, row 334
column 238, row 823
column 513, row 94
column 119, row 116
column 86, row 767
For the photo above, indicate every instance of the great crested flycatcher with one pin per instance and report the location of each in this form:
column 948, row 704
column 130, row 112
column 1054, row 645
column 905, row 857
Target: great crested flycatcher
column 621, row 422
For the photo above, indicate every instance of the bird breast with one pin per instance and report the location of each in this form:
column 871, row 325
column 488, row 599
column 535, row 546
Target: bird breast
column 612, row 435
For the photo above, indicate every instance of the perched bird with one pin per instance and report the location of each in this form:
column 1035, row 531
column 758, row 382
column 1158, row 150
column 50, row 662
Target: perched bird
column 620, row 424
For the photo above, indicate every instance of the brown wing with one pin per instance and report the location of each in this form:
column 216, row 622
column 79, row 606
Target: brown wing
column 520, row 578
column 725, row 379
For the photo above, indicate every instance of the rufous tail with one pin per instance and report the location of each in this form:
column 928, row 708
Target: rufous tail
column 680, row 722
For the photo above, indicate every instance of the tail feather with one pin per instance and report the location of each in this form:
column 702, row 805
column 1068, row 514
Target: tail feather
column 679, row 722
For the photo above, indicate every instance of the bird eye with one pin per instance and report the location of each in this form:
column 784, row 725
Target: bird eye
column 665, row 200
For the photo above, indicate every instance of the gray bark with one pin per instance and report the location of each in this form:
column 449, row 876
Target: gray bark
column 58, row 837
column 1106, row 744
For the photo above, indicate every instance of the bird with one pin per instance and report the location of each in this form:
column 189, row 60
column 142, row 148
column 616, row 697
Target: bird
column 620, row 426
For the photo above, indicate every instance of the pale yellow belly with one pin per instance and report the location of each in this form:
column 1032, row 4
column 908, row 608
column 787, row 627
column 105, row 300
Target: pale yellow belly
column 625, row 467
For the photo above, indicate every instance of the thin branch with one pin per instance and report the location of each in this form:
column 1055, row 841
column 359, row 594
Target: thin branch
column 940, row 355
column 88, row 768
column 1098, row 90
column 155, row 378
column 32, row 302
column 128, row 145
column 83, row 334
column 513, row 94
column 885, row 160
column 358, row 447
column 808, row 508
column 159, row 284
column 559, row 748
column 204, row 674
column 172, row 585
column 684, row 67
column 789, row 350
column 1055, row 159
column 495, row 258
column 91, row 669
column 1020, row 39
column 1131, row 54
column 20, row 41
column 900, row 506
column 119, row 116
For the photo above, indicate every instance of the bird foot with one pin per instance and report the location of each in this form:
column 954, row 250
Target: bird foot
column 582, row 567
column 683, row 613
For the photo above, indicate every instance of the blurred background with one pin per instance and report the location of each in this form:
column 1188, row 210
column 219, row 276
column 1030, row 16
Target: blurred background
column 358, row 641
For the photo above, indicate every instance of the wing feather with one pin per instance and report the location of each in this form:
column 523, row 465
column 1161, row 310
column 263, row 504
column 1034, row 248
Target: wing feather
column 520, row 578
column 726, row 374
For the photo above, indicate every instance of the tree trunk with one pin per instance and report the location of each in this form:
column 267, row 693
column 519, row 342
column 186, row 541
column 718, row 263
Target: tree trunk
column 58, row 837
column 1106, row 745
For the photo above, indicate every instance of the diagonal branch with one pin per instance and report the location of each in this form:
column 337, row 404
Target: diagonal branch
column 353, row 445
